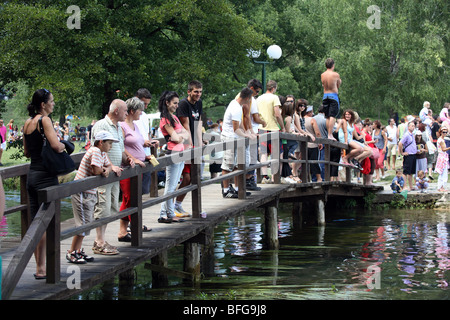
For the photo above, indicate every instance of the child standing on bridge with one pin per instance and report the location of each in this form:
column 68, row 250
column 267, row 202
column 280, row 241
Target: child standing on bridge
column 94, row 162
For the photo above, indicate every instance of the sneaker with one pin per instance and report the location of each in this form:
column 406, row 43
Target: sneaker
column 251, row 185
column 75, row 257
column 266, row 181
column 289, row 180
column 357, row 164
column 180, row 212
column 85, row 256
column 230, row 193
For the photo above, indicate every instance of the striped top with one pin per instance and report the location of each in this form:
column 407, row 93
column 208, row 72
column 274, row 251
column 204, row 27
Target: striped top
column 93, row 157
column 115, row 154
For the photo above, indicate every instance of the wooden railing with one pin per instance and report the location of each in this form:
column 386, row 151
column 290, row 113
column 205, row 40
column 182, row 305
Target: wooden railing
column 47, row 219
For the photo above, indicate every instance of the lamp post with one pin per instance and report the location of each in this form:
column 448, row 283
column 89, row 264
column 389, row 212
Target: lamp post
column 273, row 52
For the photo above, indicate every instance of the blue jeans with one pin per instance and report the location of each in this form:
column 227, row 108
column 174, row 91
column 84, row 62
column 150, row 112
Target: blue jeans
column 146, row 180
column 173, row 174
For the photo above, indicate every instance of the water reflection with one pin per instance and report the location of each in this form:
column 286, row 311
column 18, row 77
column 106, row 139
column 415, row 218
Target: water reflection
column 411, row 252
column 10, row 225
column 374, row 255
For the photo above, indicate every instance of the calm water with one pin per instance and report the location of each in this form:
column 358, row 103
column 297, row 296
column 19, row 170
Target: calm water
column 374, row 255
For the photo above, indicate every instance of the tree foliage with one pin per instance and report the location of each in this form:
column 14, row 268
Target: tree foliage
column 159, row 44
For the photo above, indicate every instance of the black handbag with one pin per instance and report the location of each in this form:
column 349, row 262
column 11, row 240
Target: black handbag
column 55, row 163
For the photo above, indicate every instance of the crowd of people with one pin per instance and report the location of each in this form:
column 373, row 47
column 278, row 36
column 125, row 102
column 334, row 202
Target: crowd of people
column 123, row 138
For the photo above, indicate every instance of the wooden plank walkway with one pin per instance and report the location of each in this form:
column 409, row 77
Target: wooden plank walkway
column 161, row 238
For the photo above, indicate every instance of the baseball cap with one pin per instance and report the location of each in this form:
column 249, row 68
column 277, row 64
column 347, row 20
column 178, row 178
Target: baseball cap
column 309, row 108
column 104, row 135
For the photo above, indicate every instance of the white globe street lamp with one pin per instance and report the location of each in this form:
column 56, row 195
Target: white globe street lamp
column 274, row 52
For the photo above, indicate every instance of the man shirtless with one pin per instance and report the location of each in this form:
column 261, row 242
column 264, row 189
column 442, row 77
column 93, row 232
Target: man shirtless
column 331, row 81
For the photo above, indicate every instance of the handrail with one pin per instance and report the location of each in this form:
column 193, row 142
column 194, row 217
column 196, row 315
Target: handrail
column 49, row 212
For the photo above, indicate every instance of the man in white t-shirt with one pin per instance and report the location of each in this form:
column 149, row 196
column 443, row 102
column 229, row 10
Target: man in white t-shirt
column 231, row 130
column 250, row 123
column 144, row 128
column 391, row 144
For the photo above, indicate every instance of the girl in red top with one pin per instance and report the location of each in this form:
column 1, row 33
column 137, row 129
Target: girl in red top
column 369, row 163
column 177, row 139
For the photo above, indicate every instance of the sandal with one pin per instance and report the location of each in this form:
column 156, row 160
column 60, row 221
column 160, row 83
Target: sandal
column 164, row 220
column 39, row 277
column 106, row 249
column 297, row 179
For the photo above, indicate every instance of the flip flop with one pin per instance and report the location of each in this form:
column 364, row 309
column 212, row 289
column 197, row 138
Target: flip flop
column 146, row 229
column 39, row 277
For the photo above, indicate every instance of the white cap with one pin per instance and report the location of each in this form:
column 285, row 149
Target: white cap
column 104, row 135
column 309, row 108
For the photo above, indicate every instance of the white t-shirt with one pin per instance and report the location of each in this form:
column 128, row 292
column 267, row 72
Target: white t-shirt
column 392, row 133
column 144, row 129
column 253, row 110
column 233, row 113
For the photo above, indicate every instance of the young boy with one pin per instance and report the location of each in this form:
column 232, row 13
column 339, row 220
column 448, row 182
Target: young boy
column 398, row 182
column 94, row 162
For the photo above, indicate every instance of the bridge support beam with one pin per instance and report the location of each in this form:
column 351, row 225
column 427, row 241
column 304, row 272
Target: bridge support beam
column 297, row 216
column 160, row 279
column 271, row 226
column 192, row 260
column 320, row 211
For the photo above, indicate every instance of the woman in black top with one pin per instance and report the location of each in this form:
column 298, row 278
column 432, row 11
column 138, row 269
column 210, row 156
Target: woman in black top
column 41, row 106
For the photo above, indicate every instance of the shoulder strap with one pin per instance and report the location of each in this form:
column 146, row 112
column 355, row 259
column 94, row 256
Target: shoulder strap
column 41, row 127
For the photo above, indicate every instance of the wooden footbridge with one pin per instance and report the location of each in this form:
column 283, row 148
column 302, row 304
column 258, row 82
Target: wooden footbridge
column 195, row 233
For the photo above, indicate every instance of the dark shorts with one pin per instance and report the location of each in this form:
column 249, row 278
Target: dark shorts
column 409, row 164
column 314, row 168
column 331, row 105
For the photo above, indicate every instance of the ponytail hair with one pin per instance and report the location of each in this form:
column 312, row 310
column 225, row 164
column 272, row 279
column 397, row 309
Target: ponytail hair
column 166, row 97
column 39, row 96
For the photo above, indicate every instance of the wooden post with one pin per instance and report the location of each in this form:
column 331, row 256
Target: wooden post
column 241, row 159
column 305, row 166
column 196, row 179
column 191, row 259
column 126, row 283
column 154, row 176
column 53, row 244
column 24, row 214
column 320, row 210
column 136, row 218
column 159, row 279
column 297, row 217
column 271, row 226
column 207, row 256
column 327, row 173
column 276, row 164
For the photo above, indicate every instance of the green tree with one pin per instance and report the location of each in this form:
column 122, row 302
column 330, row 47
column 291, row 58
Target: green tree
column 393, row 68
column 122, row 46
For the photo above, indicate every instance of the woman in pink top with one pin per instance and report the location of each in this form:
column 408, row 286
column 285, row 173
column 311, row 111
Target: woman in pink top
column 178, row 139
column 134, row 149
